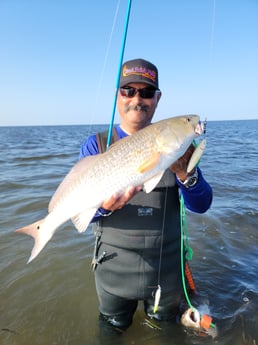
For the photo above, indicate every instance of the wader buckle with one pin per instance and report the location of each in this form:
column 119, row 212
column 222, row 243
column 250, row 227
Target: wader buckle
column 97, row 260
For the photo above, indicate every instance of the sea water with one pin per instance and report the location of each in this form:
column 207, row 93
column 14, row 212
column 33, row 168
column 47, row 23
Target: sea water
column 52, row 301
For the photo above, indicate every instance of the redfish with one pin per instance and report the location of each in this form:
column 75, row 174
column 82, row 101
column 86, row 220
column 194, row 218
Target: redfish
column 137, row 160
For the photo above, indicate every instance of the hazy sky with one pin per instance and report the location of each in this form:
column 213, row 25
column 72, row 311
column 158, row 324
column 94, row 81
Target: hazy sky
column 59, row 58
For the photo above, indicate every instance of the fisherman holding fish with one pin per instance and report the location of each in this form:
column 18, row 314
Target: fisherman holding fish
column 137, row 250
column 131, row 193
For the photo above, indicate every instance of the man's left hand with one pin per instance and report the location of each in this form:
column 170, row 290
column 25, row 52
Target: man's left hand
column 180, row 166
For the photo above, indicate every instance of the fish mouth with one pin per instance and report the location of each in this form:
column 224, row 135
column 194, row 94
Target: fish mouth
column 191, row 318
column 200, row 128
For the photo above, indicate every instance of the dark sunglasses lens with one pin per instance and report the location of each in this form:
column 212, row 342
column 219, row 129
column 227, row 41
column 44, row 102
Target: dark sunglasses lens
column 131, row 91
column 147, row 93
column 128, row 92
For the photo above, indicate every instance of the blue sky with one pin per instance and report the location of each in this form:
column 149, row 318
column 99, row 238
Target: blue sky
column 59, row 59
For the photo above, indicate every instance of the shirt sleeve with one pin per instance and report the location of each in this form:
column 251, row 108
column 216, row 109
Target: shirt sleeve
column 88, row 148
column 198, row 198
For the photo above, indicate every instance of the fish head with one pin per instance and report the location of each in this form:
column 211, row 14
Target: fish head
column 185, row 125
column 191, row 319
column 177, row 133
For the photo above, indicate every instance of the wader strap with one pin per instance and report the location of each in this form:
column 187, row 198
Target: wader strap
column 102, row 139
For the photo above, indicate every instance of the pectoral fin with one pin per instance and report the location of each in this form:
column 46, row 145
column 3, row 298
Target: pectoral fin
column 149, row 164
column 152, row 183
column 82, row 220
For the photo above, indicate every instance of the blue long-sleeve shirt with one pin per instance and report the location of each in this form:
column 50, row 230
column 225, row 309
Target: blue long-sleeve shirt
column 197, row 198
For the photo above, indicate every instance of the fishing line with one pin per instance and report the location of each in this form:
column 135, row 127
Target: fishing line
column 162, row 233
column 158, row 291
column 119, row 72
column 104, row 66
column 212, row 32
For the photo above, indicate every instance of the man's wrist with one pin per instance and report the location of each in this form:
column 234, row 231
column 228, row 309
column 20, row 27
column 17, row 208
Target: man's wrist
column 103, row 212
column 190, row 180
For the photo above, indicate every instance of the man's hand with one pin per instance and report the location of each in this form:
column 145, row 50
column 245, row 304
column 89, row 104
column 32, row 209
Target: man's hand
column 180, row 166
column 117, row 201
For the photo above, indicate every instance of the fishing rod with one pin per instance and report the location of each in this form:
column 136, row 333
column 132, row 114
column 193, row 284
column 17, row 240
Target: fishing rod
column 119, row 72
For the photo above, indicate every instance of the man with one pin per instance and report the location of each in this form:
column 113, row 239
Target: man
column 137, row 251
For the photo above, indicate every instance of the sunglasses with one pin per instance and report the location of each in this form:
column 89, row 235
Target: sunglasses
column 130, row 92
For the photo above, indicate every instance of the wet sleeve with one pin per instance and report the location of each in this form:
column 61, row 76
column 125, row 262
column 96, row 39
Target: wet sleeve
column 199, row 197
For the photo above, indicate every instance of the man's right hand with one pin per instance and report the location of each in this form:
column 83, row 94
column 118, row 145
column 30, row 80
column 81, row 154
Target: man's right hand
column 117, row 200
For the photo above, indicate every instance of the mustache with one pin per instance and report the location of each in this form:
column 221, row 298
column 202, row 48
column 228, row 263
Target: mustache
column 138, row 107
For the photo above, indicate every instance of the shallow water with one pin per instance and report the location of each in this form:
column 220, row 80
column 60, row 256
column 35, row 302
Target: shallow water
column 53, row 301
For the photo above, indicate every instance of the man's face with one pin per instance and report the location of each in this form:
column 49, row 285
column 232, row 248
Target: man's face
column 137, row 111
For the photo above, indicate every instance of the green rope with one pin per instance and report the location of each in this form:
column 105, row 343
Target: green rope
column 184, row 247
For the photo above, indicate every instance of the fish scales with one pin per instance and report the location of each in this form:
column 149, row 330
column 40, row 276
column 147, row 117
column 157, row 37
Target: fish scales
column 138, row 159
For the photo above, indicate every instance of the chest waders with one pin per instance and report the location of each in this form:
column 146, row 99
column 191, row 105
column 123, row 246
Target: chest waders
column 137, row 248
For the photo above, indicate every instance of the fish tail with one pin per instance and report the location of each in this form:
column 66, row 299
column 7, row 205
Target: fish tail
column 40, row 237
